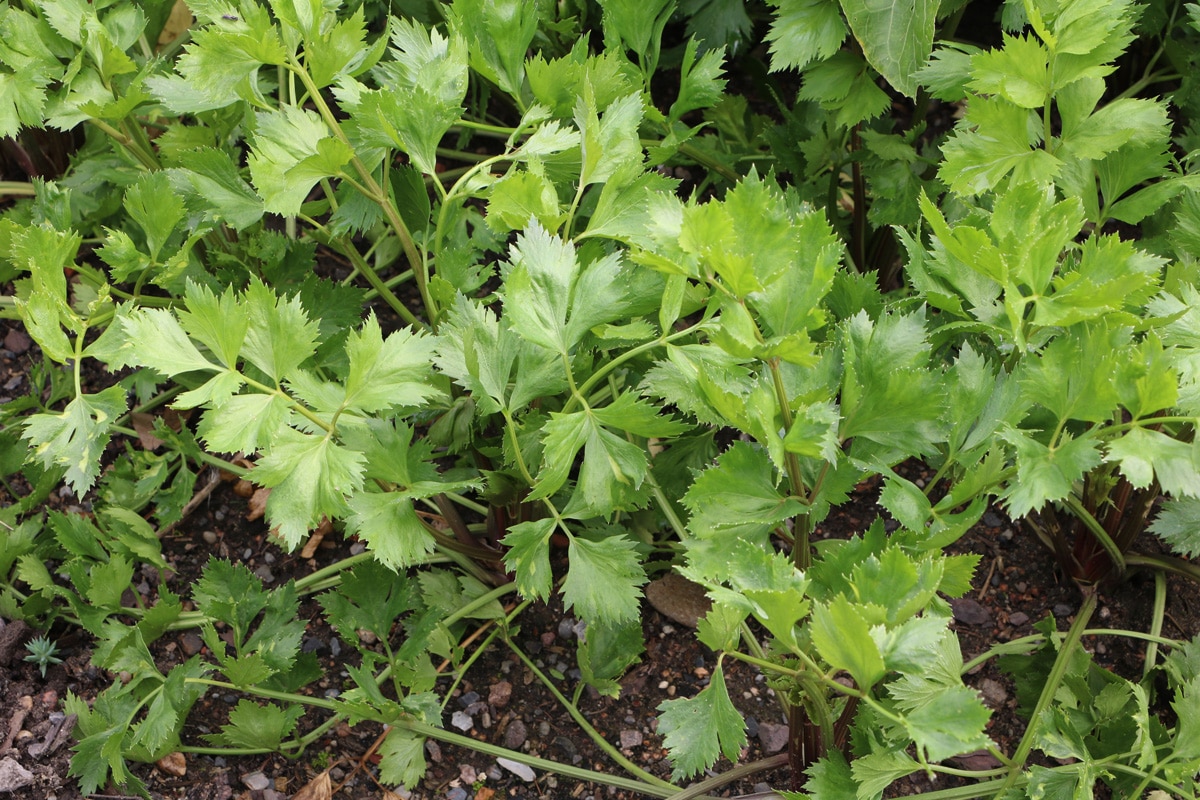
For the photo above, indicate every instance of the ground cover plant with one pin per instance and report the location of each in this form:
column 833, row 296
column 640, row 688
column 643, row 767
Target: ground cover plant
column 542, row 337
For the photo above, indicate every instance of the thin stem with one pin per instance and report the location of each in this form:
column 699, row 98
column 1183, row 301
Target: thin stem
column 1156, row 622
column 1057, row 672
column 729, row 776
column 1097, row 530
column 593, row 734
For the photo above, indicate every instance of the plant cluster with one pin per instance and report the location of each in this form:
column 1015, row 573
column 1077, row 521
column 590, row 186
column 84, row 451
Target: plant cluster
column 564, row 343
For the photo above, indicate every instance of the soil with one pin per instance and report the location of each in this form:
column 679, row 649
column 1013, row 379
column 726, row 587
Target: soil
column 498, row 699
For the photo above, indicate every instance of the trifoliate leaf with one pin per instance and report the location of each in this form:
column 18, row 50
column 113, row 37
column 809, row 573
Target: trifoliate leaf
column 606, row 651
column 637, row 25
column 74, row 438
column 292, row 150
column 478, row 351
column 258, row 726
column 996, row 139
column 1045, row 475
column 610, row 476
column 520, row 196
column 210, row 180
column 603, row 579
column 697, row 730
column 843, row 639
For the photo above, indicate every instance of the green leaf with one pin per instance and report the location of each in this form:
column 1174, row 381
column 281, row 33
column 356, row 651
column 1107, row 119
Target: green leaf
column 636, row 24
column 389, row 525
column 896, row 36
column 1145, row 455
column 738, row 496
column 1044, row 474
column 528, row 556
column 309, row 477
column 75, row 438
column 845, row 84
column 880, row 769
column 211, row 180
column 610, row 144
column 279, row 335
column 240, row 424
column 606, row 652
column 292, row 150
column 843, row 639
column 255, row 726
column 603, row 579
column 610, row 476
column 388, row 373
column 499, row 34
column 700, row 82
column 421, row 95
column 803, row 31
column 995, row 140
column 154, row 338
column 520, row 196
column 697, row 730
column 402, row 758
column 951, row 725
column 222, row 62
column 1018, row 72
column 1178, row 524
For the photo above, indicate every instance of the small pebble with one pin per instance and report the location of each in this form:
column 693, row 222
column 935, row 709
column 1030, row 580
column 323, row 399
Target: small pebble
column 992, row 519
column 264, row 573
column 522, row 771
column 456, row 793
column 1018, row 618
column 773, row 736
column 256, row 781
column 515, row 735
column 246, row 554
column 631, row 738
column 467, row 773
column 751, row 727
column 1062, row 610
column 210, row 537
column 499, row 694
column 566, row 628
column 993, row 692
column 468, row 698
column 462, row 720
column 970, row 612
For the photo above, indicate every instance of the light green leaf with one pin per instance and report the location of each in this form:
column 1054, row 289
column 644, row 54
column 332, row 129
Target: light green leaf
column 243, row 423
column 803, row 31
column 995, row 140
column 520, row 196
column 1146, row 454
column 258, row 726
column 279, row 335
column 628, row 413
column 1018, row 72
column 879, row 769
column 1178, row 524
column 738, row 496
column 309, row 477
column 74, row 438
column 154, row 338
column 478, row 351
column 211, row 180
column 612, row 471
column 952, row 725
column 389, row 525
column 291, row 151
column 700, row 84
column 610, row 143
column 698, row 729
column 603, row 579
column 499, row 33
column 388, row 373
column 402, row 758
column 843, row 639
column 606, row 651
column 216, row 322
column 1045, row 475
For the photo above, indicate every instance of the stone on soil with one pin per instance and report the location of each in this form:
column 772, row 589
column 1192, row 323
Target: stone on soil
column 256, row 781
column 773, row 736
column 515, row 734
column 522, row 771
column 13, row 776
